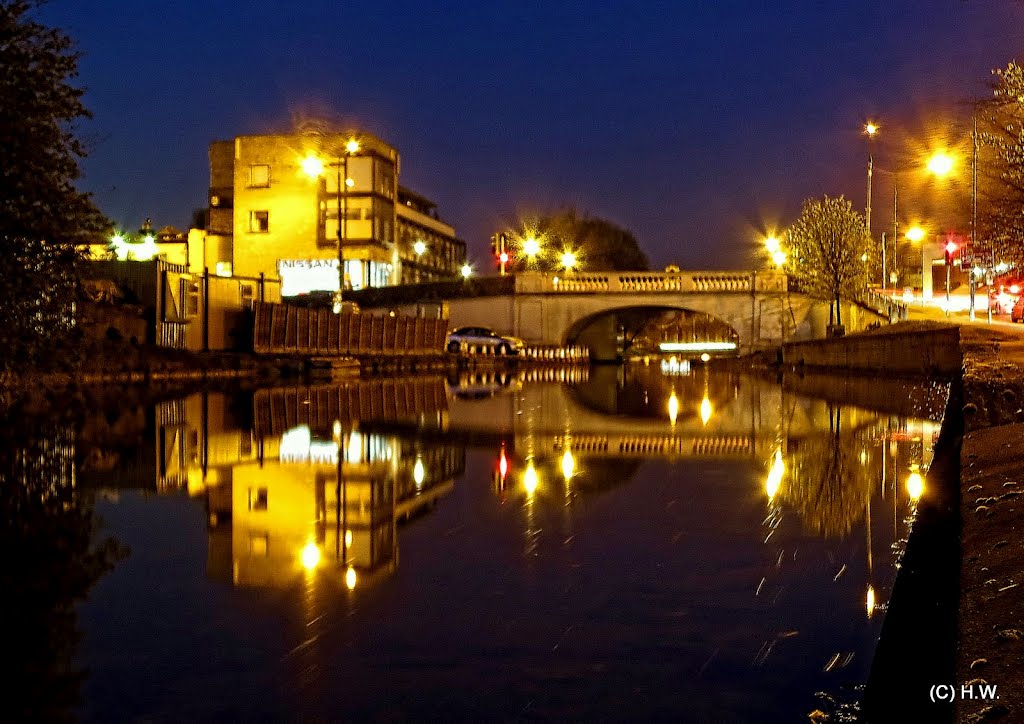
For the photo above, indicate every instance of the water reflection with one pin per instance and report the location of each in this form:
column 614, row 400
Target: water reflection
column 54, row 558
column 729, row 532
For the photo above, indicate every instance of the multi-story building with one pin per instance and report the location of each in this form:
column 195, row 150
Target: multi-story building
column 275, row 204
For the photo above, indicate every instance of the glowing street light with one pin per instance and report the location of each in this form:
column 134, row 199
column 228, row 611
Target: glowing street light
column 312, row 166
column 352, row 146
column 531, row 247
column 771, row 244
column 419, row 247
column 915, row 234
column 779, row 258
column 467, row 271
column 568, row 260
column 871, row 129
column 940, row 164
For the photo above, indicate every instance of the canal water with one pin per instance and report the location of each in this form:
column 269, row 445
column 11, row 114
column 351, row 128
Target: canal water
column 646, row 542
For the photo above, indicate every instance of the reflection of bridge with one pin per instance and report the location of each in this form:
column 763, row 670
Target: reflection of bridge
column 581, row 308
column 705, row 415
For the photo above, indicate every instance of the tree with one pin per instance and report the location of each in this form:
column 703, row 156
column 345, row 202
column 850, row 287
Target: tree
column 44, row 220
column 828, row 249
column 1001, row 169
column 599, row 245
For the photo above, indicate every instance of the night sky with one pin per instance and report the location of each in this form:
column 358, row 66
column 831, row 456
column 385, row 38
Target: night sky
column 696, row 125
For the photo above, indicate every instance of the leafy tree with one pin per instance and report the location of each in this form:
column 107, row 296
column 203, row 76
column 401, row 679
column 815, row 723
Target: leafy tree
column 599, row 245
column 1001, row 168
column 827, row 248
column 43, row 218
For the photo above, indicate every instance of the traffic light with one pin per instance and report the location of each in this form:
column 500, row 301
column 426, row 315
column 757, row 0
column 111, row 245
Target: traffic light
column 951, row 248
column 499, row 247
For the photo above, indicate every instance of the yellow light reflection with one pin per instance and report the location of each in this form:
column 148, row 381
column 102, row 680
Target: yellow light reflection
column 705, row 410
column 871, row 601
column 673, row 407
column 775, row 475
column 350, row 578
column 915, row 486
column 310, row 556
column 530, row 479
column 312, row 166
column 568, row 464
column 418, row 473
column 348, row 539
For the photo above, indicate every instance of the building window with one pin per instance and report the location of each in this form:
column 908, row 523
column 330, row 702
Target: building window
column 189, row 298
column 259, row 176
column 259, row 545
column 223, row 269
column 257, row 498
column 259, row 222
column 246, row 294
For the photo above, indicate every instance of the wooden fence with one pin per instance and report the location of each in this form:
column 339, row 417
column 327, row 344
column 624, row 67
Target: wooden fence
column 285, row 329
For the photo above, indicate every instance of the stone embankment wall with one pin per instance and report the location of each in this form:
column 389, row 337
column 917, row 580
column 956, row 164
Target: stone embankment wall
column 911, row 348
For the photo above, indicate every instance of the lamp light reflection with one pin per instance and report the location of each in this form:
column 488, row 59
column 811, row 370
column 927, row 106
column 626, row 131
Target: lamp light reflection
column 775, row 475
column 568, row 465
column 530, row 479
column 915, row 486
column 870, row 601
column 673, row 407
column 705, row 410
column 310, row 556
column 350, row 578
column 418, row 473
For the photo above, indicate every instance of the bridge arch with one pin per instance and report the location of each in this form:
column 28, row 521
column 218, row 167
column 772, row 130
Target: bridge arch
column 601, row 330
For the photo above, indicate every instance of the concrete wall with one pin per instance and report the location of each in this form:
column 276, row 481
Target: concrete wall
column 919, row 352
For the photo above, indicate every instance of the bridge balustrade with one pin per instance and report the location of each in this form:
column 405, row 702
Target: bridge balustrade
column 650, row 282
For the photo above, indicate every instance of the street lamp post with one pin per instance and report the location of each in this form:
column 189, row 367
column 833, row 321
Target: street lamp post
column 351, row 148
column 870, row 128
column 314, row 168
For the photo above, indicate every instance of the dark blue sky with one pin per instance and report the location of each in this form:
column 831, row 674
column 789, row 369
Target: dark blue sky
column 694, row 124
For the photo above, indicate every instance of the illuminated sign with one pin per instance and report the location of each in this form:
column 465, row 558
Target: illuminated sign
column 302, row 276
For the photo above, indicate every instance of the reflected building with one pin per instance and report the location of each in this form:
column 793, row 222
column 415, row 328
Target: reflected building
column 307, row 478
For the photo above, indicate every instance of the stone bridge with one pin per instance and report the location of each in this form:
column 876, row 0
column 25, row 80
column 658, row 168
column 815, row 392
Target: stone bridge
column 582, row 308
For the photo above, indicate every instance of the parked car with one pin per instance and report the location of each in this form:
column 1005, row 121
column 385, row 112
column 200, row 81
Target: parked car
column 1017, row 313
column 480, row 338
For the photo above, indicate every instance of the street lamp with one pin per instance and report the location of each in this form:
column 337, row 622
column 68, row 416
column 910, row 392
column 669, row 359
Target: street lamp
column 419, row 247
column 314, row 168
column 531, row 247
column 870, row 130
column 467, row 271
column 568, row 260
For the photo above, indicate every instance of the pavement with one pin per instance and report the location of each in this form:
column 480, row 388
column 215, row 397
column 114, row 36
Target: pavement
column 990, row 648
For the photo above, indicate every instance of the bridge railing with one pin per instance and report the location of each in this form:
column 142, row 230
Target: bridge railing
column 650, row 282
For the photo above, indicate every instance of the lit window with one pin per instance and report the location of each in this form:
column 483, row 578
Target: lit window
column 259, row 176
column 259, row 544
column 223, row 269
column 259, row 222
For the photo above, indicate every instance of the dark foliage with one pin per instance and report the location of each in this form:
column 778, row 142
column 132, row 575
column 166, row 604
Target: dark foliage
column 43, row 218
